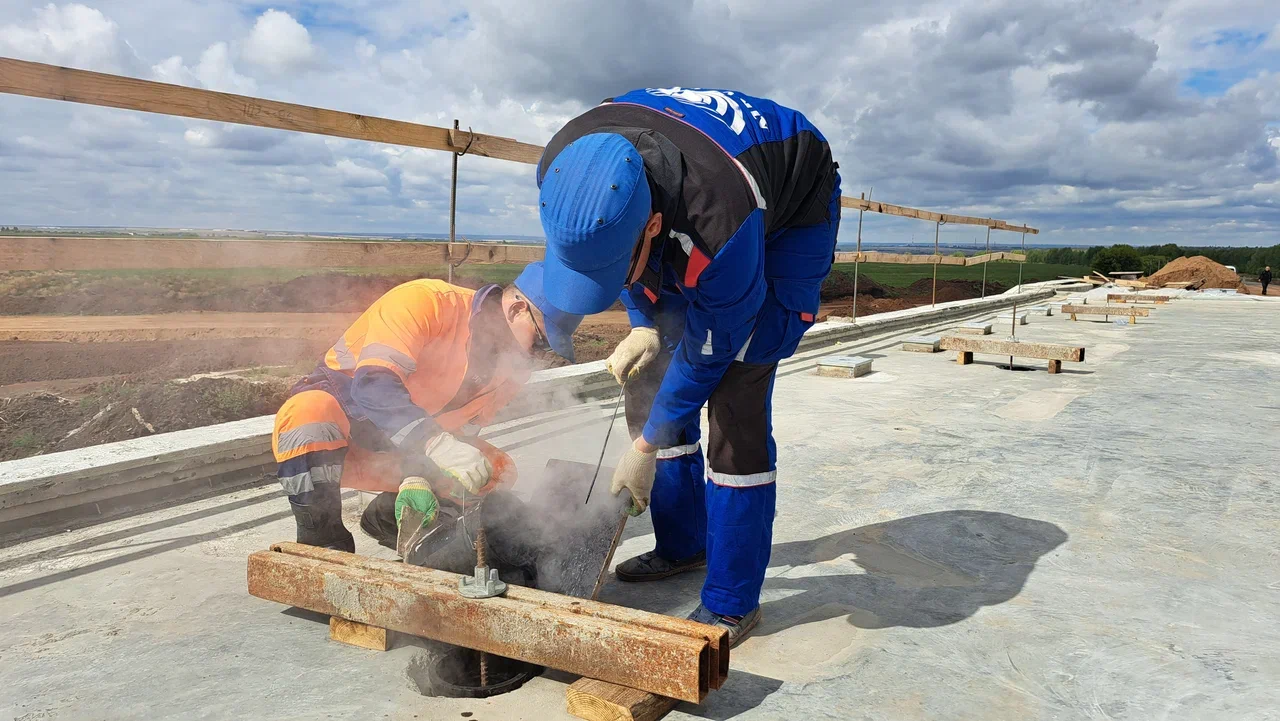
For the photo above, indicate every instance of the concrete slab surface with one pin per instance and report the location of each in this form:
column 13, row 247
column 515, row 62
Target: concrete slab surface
column 951, row 543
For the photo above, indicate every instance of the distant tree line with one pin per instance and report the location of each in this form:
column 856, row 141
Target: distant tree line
column 1151, row 258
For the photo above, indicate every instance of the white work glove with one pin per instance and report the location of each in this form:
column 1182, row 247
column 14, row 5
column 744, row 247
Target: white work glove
column 635, row 352
column 635, row 472
column 460, row 460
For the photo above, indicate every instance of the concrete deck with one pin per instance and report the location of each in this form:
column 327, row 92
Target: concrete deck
column 951, row 542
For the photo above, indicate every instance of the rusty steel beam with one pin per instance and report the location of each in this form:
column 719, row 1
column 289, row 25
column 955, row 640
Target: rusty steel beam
column 533, row 626
column 717, row 638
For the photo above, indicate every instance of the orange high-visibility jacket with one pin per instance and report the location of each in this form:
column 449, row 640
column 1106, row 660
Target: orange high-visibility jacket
column 421, row 332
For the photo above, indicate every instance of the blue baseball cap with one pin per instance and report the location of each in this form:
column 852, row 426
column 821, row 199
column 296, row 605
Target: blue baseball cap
column 558, row 325
column 594, row 204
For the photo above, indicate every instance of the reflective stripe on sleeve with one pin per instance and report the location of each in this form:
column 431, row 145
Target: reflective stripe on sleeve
column 665, row 454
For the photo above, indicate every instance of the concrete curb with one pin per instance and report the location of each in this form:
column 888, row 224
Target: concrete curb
column 58, row 489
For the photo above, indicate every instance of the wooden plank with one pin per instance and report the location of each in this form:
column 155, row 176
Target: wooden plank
column 1018, row 349
column 525, row 624
column 595, row 700
column 903, row 211
column 354, row 633
column 76, row 253
column 1120, row 310
column 38, row 80
column 1136, row 298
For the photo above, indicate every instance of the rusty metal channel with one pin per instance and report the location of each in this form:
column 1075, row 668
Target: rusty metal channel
column 537, row 629
column 717, row 638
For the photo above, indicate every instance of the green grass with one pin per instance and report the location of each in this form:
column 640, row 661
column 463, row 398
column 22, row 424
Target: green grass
column 26, row 440
column 1003, row 272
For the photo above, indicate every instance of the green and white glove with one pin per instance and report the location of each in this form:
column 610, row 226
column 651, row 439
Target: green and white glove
column 416, row 505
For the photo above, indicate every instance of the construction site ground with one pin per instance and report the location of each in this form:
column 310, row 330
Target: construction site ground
column 70, row 341
column 951, row 542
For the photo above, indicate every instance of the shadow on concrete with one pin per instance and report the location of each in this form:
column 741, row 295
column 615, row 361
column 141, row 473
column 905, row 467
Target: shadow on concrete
column 98, row 543
column 1038, row 366
column 741, row 692
column 922, row 571
column 153, row 548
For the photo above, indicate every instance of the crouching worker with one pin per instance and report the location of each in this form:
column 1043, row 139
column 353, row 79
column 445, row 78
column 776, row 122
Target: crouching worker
column 395, row 405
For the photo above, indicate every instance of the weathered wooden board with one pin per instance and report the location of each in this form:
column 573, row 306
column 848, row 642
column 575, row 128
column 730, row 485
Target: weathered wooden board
column 76, row 253
column 1120, row 310
column 595, row 700
column 38, row 80
column 1018, row 349
column 1136, row 298
column 354, row 633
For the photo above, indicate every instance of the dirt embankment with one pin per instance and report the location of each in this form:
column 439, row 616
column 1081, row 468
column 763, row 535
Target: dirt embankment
column 122, row 409
column 1197, row 270
column 56, row 293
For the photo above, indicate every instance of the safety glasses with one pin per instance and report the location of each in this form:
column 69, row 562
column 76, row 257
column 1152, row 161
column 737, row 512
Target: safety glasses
column 540, row 343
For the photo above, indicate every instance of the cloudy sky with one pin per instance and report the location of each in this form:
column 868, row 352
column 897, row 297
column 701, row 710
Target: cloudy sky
column 1098, row 122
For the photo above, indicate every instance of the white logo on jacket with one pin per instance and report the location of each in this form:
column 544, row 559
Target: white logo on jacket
column 720, row 103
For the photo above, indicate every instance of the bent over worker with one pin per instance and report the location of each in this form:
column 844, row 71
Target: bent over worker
column 400, row 396
column 718, row 212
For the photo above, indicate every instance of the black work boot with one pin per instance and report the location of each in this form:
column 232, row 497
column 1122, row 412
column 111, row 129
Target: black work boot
column 318, row 514
column 379, row 519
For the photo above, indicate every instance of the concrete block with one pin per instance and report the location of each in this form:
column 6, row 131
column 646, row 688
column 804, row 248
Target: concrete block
column 1008, row 317
column 1041, row 310
column 922, row 344
column 977, row 327
column 844, row 366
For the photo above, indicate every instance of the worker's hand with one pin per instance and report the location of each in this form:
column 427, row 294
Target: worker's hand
column 416, row 511
column 635, row 352
column 416, row 504
column 461, row 461
column 635, row 472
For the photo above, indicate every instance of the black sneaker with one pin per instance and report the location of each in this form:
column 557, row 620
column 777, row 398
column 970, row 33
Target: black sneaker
column 737, row 626
column 651, row 567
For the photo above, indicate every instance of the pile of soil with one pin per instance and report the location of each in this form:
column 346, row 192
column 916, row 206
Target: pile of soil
column 44, row 422
column 1187, row 270
column 949, row 290
column 839, row 285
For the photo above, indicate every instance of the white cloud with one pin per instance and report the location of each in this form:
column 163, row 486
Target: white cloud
column 359, row 176
column 279, row 43
column 74, row 35
column 1069, row 117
